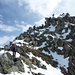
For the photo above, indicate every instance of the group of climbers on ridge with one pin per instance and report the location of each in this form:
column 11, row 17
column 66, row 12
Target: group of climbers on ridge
column 14, row 47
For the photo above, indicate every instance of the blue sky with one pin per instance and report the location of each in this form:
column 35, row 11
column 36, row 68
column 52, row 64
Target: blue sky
column 17, row 15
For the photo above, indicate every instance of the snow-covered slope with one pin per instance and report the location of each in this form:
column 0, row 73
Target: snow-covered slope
column 48, row 71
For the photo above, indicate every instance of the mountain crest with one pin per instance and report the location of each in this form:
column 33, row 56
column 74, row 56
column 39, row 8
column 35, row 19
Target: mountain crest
column 51, row 45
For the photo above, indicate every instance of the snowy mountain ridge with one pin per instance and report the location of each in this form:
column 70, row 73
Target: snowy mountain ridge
column 47, row 50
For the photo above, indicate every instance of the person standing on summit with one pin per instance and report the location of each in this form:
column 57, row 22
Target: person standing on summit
column 30, row 30
column 53, row 15
column 34, row 27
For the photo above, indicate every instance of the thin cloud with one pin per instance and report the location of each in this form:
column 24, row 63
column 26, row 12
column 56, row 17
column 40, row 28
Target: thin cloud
column 23, row 27
column 48, row 7
column 5, row 39
column 40, row 22
column 7, row 28
column 42, row 7
column 66, row 6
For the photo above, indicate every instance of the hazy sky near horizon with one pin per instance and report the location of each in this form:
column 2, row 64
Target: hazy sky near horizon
column 17, row 15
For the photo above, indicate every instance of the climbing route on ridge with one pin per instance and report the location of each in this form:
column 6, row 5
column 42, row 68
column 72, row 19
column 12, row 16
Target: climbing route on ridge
column 42, row 47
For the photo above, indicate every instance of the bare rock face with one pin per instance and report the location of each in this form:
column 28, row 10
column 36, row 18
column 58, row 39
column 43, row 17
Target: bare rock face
column 7, row 65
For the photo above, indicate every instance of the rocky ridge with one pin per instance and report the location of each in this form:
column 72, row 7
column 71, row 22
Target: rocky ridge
column 55, row 37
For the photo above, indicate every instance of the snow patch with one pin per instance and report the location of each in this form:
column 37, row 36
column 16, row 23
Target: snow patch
column 60, row 58
column 50, row 70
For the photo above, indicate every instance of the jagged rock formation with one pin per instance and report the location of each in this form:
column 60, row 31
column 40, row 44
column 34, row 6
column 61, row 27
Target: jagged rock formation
column 57, row 35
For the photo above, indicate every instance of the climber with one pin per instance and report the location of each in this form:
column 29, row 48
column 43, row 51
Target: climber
column 42, row 25
column 30, row 30
column 14, row 49
column 34, row 27
column 53, row 15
